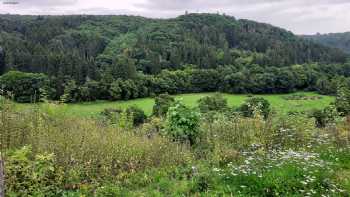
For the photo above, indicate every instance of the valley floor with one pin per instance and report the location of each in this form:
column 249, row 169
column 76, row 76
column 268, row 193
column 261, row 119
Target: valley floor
column 280, row 103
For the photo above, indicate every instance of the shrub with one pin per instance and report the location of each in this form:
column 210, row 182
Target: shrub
column 111, row 114
column 138, row 115
column 253, row 105
column 320, row 118
column 212, row 103
column 27, row 176
column 343, row 101
column 135, row 115
column 153, row 127
column 25, row 87
column 324, row 117
column 183, row 123
column 162, row 104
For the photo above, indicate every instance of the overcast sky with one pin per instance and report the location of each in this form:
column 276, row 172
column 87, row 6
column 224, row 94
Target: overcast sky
column 299, row 16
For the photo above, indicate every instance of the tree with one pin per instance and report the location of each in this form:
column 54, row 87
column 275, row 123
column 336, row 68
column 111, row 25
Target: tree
column 212, row 103
column 2, row 61
column 162, row 104
column 24, row 87
column 255, row 104
column 89, row 91
column 71, row 92
column 115, row 91
column 183, row 123
column 124, row 67
column 327, row 86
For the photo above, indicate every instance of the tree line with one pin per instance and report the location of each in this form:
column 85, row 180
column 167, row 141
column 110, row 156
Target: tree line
column 29, row 87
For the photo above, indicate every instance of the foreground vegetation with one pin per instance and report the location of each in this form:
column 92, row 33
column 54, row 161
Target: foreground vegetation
column 209, row 150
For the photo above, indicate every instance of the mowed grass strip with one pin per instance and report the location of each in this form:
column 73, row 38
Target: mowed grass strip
column 278, row 103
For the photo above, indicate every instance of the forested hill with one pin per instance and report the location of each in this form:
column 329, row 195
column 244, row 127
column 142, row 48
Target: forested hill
column 125, row 57
column 50, row 43
column 336, row 40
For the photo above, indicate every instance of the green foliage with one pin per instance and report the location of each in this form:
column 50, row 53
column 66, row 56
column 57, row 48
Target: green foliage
column 108, row 191
column 278, row 103
column 112, row 114
column 24, row 87
column 132, row 115
column 162, row 104
column 87, row 58
column 284, row 155
column 124, row 67
column 137, row 114
column 85, row 153
column 73, row 93
column 70, row 92
column 191, row 53
column 212, row 103
column 183, row 123
column 325, row 116
column 89, row 91
column 28, row 176
column 343, row 101
column 255, row 105
column 116, row 91
column 327, row 86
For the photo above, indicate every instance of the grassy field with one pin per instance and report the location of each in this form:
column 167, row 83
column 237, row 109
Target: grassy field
column 278, row 102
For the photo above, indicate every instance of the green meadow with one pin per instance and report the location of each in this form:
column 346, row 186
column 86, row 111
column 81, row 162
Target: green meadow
column 278, row 102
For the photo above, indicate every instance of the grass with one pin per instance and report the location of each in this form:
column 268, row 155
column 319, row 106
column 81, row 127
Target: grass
column 235, row 156
column 279, row 104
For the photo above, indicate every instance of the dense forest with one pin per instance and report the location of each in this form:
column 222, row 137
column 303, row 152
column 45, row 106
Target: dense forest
column 84, row 58
column 336, row 40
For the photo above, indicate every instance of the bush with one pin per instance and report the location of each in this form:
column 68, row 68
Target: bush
column 27, row 176
column 162, row 104
column 324, row 117
column 111, row 114
column 25, row 87
column 212, row 103
column 134, row 114
column 343, row 101
column 183, row 123
column 253, row 105
column 138, row 115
